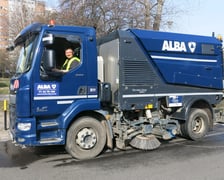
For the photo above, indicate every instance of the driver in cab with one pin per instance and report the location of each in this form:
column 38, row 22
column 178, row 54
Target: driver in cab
column 70, row 63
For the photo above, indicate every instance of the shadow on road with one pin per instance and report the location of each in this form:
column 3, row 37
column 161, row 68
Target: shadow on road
column 178, row 149
column 16, row 156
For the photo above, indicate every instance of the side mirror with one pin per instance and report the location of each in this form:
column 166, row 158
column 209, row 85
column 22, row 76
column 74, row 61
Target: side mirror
column 49, row 59
column 48, row 39
column 48, row 64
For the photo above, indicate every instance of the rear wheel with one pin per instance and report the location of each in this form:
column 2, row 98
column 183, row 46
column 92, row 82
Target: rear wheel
column 86, row 138
column 197, row 125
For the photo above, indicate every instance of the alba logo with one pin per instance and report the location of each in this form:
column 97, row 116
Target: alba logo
column 43, row 87
column 46, row 86
column 178, row 46
column 53, row 86
column 192, row 46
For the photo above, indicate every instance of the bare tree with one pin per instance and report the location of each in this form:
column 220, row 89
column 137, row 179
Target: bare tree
column 104, row 15
column 4, row 64
column 145, row 8
column 20, row 17
column 109, row 15
column 4, row 21
column 85, row 12
column 158, row 15
column 118, row 14
column 151, row 13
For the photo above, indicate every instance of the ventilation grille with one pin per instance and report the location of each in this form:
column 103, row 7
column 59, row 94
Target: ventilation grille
column 138, row 72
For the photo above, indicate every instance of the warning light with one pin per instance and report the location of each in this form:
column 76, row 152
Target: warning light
column 219, row 37
column 51, row 23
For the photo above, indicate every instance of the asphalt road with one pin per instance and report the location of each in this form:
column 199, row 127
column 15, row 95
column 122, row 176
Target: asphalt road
column 178, row 159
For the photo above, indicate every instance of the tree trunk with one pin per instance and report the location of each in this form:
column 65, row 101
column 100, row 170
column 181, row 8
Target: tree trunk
column 157, row 20
column 147, row 14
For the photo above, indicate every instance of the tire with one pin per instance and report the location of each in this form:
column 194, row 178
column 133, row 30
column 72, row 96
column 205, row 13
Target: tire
column 86, row 138
column 196, row 126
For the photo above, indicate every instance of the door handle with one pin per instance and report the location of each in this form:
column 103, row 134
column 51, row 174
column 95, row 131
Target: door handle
column 208, row 68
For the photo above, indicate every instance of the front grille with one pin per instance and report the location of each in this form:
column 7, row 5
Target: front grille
column 12, row 115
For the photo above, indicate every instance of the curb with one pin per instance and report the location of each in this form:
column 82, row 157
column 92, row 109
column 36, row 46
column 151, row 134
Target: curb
column 4, row 135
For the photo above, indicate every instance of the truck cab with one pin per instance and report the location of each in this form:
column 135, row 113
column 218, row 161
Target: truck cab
column 42, row 101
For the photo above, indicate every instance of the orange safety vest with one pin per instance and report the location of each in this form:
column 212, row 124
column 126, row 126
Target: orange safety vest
column 68, row 62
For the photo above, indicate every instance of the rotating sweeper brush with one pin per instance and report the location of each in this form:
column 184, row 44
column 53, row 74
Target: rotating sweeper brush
column 146, row 142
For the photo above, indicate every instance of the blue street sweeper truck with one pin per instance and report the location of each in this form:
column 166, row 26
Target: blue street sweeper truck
column 132, row 88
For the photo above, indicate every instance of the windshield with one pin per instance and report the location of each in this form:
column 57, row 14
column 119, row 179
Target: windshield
column 26, row 55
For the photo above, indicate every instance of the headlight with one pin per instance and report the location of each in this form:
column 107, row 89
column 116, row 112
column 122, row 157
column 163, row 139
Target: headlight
column 24, row 126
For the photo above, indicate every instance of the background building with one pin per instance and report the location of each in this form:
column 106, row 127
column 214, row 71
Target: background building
column 15, row 14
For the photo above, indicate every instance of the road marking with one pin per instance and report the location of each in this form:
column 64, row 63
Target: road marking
column 215, row 134
column 204, row 146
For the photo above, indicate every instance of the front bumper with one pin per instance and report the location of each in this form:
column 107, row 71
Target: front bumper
column 24, row 137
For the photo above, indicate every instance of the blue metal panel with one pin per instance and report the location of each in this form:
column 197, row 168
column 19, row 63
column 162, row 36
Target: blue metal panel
column 153, row 40
column 76, row 108
column 80, row 83
column 184, row 59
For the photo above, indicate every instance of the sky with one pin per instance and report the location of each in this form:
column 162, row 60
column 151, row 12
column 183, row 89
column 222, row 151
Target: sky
column 201, row 17
column 52, row 3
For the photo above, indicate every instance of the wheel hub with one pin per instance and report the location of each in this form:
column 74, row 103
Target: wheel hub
column 197, row 125
column 86, row 138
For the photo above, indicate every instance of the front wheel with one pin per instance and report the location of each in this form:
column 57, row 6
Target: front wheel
column 86, row 138
column 197, row 124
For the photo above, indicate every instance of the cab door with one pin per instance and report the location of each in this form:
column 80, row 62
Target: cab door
column 53, row 91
